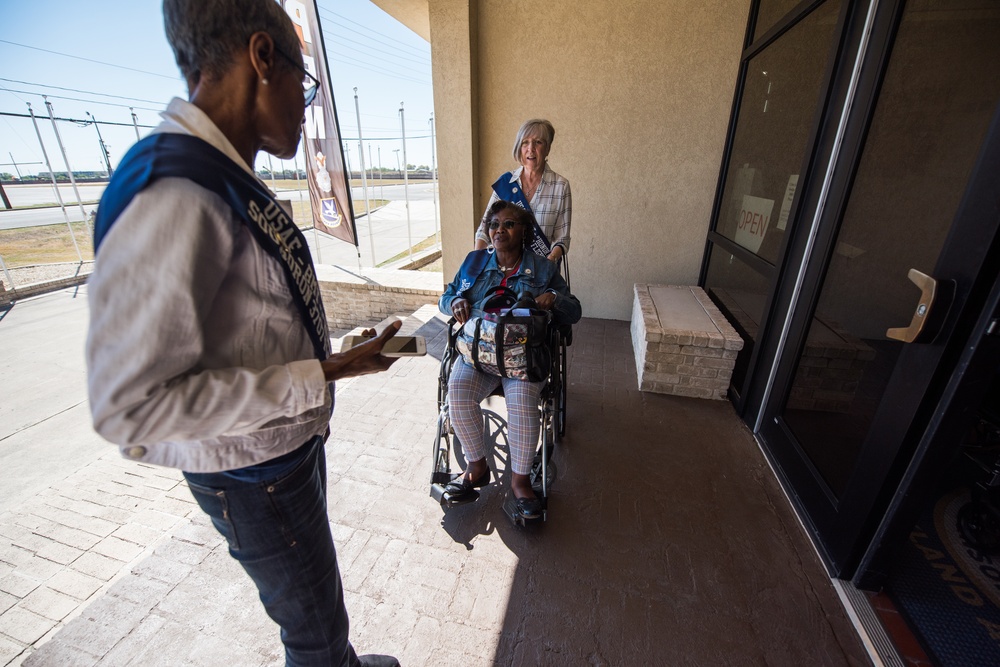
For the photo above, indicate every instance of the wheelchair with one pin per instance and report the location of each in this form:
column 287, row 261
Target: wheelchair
column 552, row 413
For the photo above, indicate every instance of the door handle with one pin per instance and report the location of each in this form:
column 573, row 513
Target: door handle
column 928, row 292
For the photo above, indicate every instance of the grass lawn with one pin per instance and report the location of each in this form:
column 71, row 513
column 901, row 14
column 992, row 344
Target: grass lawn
column 49, row 244
column 44, row 245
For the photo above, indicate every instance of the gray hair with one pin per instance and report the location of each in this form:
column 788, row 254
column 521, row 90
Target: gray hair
column 206, row 34
column 535, row 126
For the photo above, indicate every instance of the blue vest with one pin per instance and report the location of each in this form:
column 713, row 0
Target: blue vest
column 170, row 155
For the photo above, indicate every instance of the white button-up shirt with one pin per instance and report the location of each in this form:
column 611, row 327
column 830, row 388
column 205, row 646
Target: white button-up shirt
column 197, row 357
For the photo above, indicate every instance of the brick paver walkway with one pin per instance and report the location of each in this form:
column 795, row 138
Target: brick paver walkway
column 668, row 543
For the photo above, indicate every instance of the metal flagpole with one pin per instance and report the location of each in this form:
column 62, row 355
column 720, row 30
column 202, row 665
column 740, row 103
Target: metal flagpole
column 69, row 170
column 364, row 181
column 298, row 184
column 3, row 265
column 371, row 168
column 52, row 175
column 270, row 168
column 434, row 190
column 381, row 188
column 406, row 181
column 135, row 123
column 14, row 162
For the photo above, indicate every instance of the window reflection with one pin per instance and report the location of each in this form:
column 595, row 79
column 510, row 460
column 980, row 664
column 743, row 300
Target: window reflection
column 777, row 112
column 741, row 294
column 925, row 137
column 770, row 12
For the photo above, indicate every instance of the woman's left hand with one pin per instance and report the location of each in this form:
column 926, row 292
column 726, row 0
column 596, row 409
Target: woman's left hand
column 556, row 253
column 546, row 301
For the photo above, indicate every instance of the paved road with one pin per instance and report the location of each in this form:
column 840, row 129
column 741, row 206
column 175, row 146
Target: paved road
column 36, row 195
column 392, row 235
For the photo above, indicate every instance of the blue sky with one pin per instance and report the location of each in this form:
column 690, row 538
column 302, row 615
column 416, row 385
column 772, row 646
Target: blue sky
column 105, row 57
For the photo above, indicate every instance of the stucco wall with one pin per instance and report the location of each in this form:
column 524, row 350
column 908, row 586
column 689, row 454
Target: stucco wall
column 640, row 95
column 453, row 62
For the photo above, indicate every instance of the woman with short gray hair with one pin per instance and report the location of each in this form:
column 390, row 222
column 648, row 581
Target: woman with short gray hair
column 208, row 349
column 535, row 187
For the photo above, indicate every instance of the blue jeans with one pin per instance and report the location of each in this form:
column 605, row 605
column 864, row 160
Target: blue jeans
column 279, row 532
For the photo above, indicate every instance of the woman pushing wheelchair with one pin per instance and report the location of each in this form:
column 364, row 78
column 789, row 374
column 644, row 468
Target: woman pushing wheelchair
column 511, row 265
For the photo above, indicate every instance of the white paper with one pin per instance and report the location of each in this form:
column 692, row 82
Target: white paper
column 754, row 217
column 786, row 203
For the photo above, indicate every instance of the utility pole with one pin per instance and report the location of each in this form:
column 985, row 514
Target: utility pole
column 52, row 175
column 364, row 181
column 406, row 180
column 381, row 188
column 399, row 172
column 434, row 186
column 69, row 169
column 135, row 122
column 104, row 147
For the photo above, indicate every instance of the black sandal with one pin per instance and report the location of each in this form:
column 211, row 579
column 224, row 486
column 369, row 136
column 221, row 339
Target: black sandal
column 461, row 487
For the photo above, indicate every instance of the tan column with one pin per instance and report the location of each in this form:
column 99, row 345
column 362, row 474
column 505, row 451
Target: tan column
column 454, row 61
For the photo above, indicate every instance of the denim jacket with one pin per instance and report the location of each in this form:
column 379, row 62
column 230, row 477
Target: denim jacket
column 536, row 275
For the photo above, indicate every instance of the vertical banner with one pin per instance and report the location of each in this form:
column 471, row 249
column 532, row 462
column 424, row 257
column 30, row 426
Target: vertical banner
column 329, row 191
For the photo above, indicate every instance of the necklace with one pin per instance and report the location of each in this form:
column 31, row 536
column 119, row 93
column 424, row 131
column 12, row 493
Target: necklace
column 505, row 269
column 529, row 191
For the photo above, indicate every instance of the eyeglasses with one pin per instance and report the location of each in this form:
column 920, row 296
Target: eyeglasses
column 507, row 224
column 310, row 84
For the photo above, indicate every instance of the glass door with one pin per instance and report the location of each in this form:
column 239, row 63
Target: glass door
column 898, row 248
column 784, row 82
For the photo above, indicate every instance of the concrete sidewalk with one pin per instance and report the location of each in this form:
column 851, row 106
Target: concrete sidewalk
column 668, row 543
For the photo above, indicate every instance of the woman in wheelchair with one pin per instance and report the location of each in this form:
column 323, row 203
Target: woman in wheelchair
column 513, row 266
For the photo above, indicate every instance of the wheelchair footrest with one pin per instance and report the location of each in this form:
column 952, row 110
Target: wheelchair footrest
column 442, row 478
column 510, row 509
column 439, row 494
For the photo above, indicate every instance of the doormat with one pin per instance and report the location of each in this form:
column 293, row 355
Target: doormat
column 948, row 590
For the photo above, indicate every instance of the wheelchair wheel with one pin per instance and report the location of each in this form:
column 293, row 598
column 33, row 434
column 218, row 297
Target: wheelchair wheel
column 543, row 469
column 440, row 453
column 562, row 373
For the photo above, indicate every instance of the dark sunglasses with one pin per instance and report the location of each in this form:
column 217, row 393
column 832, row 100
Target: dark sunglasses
column 507, row 224
column 310, row 84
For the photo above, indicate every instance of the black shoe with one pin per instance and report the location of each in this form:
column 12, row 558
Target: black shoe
column 374, row 660
column 461, row 487
column 529, row 508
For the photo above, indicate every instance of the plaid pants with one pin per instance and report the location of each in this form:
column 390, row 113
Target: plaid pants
column 467, row 388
